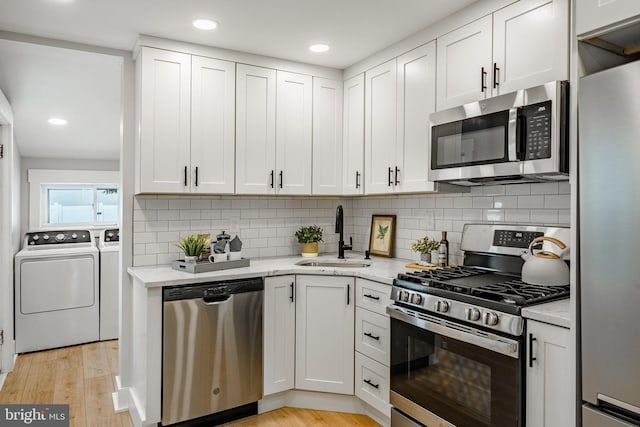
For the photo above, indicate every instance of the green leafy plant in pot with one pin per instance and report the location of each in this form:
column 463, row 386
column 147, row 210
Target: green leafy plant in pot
column 424, row 246
column 192, row 246
column 308, row 237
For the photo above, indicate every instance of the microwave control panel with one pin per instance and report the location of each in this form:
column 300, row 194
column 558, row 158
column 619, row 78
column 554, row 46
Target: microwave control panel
column 537, row 130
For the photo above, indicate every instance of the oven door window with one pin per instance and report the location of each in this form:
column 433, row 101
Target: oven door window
column 479, row 140
column 466, row 385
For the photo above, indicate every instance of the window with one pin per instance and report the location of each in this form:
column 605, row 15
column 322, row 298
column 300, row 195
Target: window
column 60, row 199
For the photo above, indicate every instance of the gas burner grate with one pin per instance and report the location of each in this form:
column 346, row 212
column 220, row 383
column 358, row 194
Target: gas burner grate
column 520, row 293
column 447, row 273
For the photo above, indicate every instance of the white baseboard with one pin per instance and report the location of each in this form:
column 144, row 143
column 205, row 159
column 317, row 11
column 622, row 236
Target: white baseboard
column 120, row 397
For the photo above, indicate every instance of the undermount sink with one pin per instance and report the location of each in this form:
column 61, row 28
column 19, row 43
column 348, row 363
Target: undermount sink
column 347, row 263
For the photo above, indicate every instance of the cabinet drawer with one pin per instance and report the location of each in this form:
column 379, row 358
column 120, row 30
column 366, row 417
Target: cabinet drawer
column 372, row 335
column 372, row 383
column 373, row 296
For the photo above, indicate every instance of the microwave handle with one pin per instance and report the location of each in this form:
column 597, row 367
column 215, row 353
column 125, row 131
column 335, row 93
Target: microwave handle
column 512, row 135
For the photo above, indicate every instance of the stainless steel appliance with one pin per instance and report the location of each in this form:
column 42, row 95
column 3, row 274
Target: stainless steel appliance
column 457, row 337
column 517, row 137
column 212, row 351
column 609, row 109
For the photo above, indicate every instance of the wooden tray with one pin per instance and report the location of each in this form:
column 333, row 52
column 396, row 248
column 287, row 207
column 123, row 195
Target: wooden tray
column 421, row 267
column 204, row 266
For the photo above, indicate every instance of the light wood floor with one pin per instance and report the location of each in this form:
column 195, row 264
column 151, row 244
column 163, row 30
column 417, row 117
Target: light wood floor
column 83, row 376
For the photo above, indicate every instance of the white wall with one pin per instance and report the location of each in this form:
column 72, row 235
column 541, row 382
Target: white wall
column 58, row 164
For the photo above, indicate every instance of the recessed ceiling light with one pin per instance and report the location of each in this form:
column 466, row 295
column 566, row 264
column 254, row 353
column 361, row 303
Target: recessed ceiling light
column 205, row 24
column 319, row 47
column 57, row 121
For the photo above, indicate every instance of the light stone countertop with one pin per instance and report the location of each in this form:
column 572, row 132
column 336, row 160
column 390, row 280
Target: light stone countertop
column 556, row 313
column 382, row 270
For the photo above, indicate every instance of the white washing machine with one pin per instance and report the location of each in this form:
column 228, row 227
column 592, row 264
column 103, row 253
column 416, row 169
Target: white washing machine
column 56, row 290
column 109, row 247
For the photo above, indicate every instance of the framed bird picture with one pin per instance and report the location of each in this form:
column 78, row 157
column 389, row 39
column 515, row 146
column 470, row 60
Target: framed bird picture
column 383, row 230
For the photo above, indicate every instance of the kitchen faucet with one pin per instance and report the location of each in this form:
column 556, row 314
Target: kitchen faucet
column 340, row 229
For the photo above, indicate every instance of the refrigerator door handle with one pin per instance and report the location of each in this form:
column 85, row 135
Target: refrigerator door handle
column 618, row 403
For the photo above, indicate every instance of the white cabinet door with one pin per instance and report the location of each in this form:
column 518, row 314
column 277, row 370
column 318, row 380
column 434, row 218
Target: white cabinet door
column 549, row 391
column 165, row 100
column 255, row 130
column 324, row 334
column 372, row 383
column 213, row 93
column 592, row 15
column 464, row 64
column 530, row 44
column 353, row 136
column 293, row 133
column 327, row 136
column 416, row 98
column 279, row 334
column 380, row 128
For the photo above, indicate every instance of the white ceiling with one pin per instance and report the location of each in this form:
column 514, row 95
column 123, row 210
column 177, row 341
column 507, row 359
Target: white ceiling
column 41, row 80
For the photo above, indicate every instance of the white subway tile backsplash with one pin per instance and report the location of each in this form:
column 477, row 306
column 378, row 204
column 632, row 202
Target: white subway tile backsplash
column 179, row 203
column 493, row 190
column 561, row 201
column 530, row 202
column 144, row 237
column 505, row 202
column 463, row 202
column 189, row 214
column 168, row 215
column 483, row 202
column 139, row 249
column 564, row 187
column 157, row 226
column 493, row 215
column 156, row 248
column 142, row 260
column 544, row 216
column 518, row 189
column 200, row 204
column 544, row 188
column 157, row 204
column 517, row 215
column 168, row 236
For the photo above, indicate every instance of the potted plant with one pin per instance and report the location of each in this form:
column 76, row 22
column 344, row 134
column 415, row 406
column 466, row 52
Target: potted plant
column 192, row 246
column 308, row 237
column 424, row 246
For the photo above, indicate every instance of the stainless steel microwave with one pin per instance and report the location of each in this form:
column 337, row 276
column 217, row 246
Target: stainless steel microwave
column 517, row 137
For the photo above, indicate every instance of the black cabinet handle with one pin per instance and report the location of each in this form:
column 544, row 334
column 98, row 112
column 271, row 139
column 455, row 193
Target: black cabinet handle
column 531, row 358
column 196, row 176
column 372, row 384
column 185, row 176
column 483, row 85
column 495, row 75
column 370, row 335
column 272, row 177
column 291, row 297
column 281, row 174
column 357, row 179
column 390, row 173
column 372, row 297
column 348, row 294
column 397, row 172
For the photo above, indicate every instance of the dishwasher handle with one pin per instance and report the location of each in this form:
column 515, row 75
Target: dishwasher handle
column 216, row 298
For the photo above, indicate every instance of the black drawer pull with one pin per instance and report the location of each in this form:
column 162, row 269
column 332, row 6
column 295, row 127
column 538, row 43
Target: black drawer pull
column 483, row 86
column 196, row 176
column 372, row 384
column 531, row 358
column 291, row 296
column 357, row 179
column 370, row 335
column 185, row 176
column 371, row 297
column 390, row 179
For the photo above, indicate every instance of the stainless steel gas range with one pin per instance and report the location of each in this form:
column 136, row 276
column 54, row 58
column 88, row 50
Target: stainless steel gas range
column 457, row 347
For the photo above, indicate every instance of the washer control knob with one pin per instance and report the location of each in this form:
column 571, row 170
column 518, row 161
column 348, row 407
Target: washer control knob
column 416, row 299
column 110, row 234
column 74, row 236
column 404, row 296
column 60, row 237
column 491, row 319
column 472, row 314
column 45, row 237
column 35, row 238
column 442, row 306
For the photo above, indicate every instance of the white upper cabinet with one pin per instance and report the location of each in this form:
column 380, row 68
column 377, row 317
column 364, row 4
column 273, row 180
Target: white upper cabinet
column 327, row 136
column 522, row 45
column 213, row 86
column 416, row 97
column 592, row 15
column 187, row 123
column 163, row 150
column 464, row 64
column 380, row 128
column 255, row 130
column 353, row 136
column 530, row 44
column 294, row 94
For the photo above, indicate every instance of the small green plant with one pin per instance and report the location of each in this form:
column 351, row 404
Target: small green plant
column 192, row 245
column 309, row 234
column 425, row 245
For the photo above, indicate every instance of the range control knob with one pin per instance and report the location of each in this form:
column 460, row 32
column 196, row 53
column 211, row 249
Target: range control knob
column 442, row 306
column 35, row 238
column 472, row 314
column 110, row 234
column 74, row 236
column 45, row 237
column 404, row 296
column 491, row 319
column 60, row 237
column 416, row 299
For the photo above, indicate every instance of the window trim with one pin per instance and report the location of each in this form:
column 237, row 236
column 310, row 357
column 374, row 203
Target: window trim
column 37, row 197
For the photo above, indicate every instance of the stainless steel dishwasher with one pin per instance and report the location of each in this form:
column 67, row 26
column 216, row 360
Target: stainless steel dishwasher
column 212, row 351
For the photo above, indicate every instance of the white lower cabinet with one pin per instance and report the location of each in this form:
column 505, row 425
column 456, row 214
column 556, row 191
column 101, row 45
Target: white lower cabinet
column 324, row 334
column 372, row 335
column 372, row 383
column 279, row 334
column 549, row 389
column 373, row 296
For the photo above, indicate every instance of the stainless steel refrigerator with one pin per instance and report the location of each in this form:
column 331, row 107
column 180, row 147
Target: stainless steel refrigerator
column 609, row 181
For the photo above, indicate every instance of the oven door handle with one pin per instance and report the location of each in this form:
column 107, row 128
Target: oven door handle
column 458, row 332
